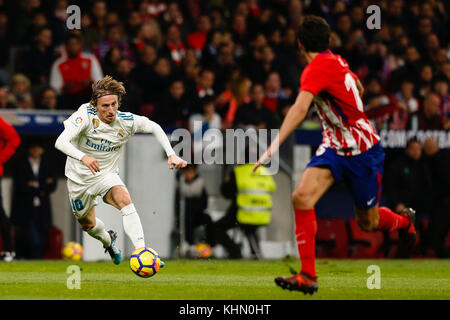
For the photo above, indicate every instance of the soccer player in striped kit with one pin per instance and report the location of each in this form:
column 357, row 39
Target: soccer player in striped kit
column 350, row 151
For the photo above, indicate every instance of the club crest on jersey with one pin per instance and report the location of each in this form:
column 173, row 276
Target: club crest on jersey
column 95, row 123
column 121, row 133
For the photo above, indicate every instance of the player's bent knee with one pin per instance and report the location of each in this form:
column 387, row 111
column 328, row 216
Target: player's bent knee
column 124, row 201
column 87, row 226
column 301, row 199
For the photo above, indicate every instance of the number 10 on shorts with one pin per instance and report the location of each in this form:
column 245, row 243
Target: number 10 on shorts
column 77, row 205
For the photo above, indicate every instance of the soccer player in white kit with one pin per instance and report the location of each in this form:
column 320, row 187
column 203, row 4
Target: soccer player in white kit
column 93, row 140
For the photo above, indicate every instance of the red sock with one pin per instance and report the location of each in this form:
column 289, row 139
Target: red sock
column 305, row 233
column 390, row 220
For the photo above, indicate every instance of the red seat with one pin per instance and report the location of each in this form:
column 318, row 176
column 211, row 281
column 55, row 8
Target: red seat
column 331, row 238
column 54, row 244
column 364, row 244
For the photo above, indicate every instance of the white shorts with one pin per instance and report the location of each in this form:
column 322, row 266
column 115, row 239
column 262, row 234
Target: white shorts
column 83, row 196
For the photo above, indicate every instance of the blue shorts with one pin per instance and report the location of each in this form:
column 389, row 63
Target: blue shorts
column 362, row 173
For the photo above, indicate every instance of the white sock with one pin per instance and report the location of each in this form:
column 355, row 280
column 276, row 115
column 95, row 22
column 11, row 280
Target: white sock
column 98, row 232
column 132, row 226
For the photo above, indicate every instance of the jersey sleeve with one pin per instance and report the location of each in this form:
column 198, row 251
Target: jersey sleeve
column 313, row 80
column 10, row 141
column 145, row 125
column 73, row 127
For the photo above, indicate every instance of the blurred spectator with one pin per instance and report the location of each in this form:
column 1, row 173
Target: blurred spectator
column 211, row 48
column 410, row 69
column 6, row 40
column 153, row 79
column 260, row 69
column 94, row 28
column 405, row 105
column 255, row 114
column 406, row 97
column 240, row 34
column 205, row 85
column 34, row 181
column 38, row 21
column 48, row 99
column 112, row 58
column 237, row 93
column 133, row 24
column 424, row 82
column 123, row 72
column 10, row 140
column 245, row 189
column 57, row 21
column 39, row 59
column 151, row 9
column 441, row 87
column 71, row 76
column 427, row 118
column 436, row 162
column 274, row 93
column 4, row 102
column 406, row 181
column 192, row 191
column 197, row 39
column 174, row 107
column 208, row 118
column 20, row 93
column 174, row 47
column 149, row 33
column 114, row 39
column 172, row 16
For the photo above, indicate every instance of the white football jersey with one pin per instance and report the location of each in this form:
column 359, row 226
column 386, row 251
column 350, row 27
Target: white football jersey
column 102, row 141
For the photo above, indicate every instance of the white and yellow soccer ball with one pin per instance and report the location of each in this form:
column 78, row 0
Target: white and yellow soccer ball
column 73, row 251
column 145, row 262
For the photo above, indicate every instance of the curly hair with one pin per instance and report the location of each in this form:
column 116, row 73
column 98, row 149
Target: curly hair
column 314, row 34
column 107, row 86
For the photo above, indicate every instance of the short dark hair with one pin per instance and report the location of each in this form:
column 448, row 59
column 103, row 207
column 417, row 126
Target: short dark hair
column 411, row 141
column 314, row 34
column 71, row 36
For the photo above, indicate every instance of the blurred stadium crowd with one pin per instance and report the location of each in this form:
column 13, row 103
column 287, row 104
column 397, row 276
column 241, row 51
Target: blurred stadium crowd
column 241, row 53
column 235, row 63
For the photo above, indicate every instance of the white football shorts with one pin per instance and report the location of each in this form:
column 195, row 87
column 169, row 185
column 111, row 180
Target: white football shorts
column 84, row 196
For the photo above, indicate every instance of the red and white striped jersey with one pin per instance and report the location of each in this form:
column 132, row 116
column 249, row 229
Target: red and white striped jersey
column 346, row 128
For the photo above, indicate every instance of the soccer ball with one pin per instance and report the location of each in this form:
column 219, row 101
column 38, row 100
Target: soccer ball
column 73, row 251
column 145, row 262
column 203, row 250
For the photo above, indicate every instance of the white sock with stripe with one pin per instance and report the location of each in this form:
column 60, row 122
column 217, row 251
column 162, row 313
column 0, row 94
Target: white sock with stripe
column 98, row 232
column 132, row 226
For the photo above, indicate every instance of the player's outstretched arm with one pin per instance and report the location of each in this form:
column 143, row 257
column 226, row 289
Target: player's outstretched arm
column 293, row 118
column 145, row 125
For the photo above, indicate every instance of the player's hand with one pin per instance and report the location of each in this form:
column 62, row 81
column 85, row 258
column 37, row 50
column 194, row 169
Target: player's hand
column 261, row 160
column 91, row 163
column 176, row 162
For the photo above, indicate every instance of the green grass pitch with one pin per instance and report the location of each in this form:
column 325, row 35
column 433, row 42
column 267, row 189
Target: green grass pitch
column 224, row 280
